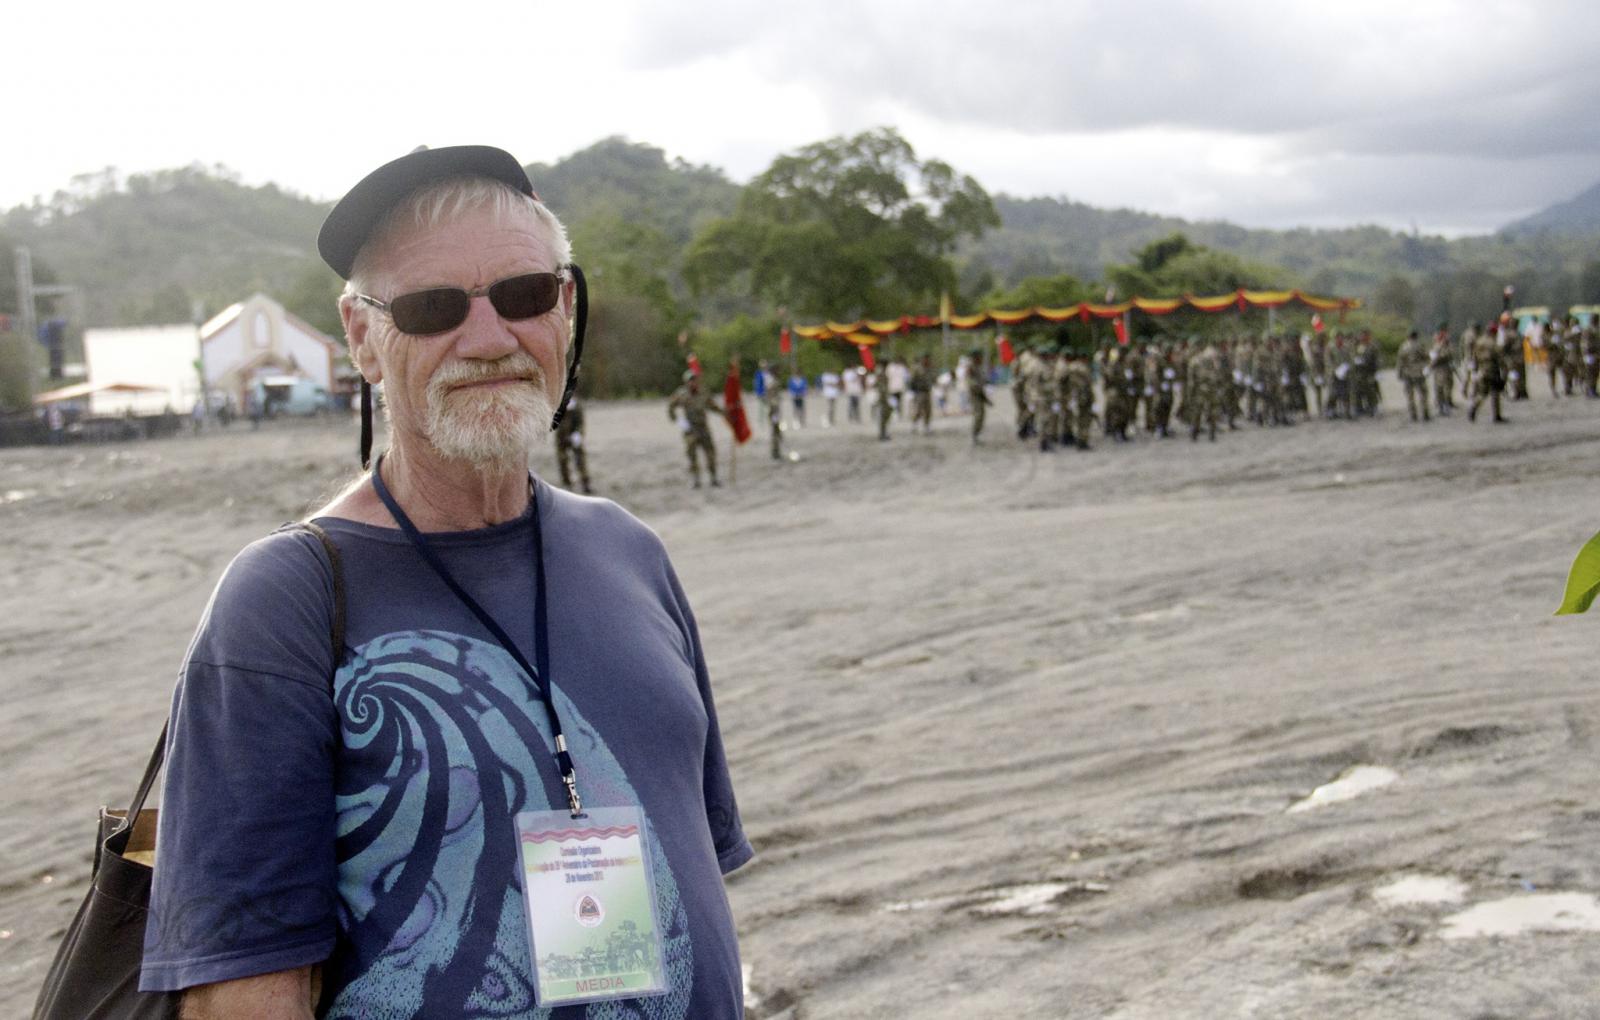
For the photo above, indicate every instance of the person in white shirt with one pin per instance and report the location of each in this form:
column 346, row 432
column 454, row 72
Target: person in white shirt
column 899, row 374
column 854, row 387
column 830, row 395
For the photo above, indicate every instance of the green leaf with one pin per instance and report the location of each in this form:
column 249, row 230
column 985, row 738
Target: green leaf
column 1583, row 583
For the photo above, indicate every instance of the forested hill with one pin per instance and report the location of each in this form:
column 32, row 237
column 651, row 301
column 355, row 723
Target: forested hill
column 150, row 247
column 146, row 248
column 621, row 182
column 1579, row 215
column 1050, row 235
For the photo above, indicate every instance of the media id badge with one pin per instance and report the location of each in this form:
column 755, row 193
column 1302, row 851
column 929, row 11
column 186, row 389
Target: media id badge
column 592, row 927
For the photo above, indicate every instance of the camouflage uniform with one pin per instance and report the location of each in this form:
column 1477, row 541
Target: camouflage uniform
column 1294, row 378
column 1573, row 368
column 1467, row 344
column 1128, row 375
column 1317, row 367
column 884, row 408
column 1513, row 364
column 1591, row 361
column 1411, row 365
column 1042, row 403
column 1441, row 366
column 977, row 395
column 1364, row 376
column 1180, row 363
column 569, row 446
column 1162, row 376
column 1080, row 397
column 1516, row 362
column 772, row 404
column 1230, row 384
column 1027, row 364
column 1340, row 371
column 1489, row 371
column 688, row 406
column 1204, row 392
column 921, row 386
column 1248, row 356
column 1269, row 384
column 1555, row 356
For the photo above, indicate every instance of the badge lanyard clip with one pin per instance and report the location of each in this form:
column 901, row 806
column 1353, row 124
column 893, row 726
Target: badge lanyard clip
column 569, row 777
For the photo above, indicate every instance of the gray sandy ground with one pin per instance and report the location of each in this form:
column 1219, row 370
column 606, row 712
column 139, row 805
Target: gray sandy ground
column 945, row 671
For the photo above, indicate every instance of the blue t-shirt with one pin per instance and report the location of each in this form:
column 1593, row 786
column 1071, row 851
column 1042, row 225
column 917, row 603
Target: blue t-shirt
column 371, row 826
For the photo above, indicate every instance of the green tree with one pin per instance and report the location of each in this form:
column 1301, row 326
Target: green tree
column 21, row 367
column 1589, row 283
column 844, row 228
column 313, row 295
column 1042, row 291
column 1058, row 291
column 1396, row 296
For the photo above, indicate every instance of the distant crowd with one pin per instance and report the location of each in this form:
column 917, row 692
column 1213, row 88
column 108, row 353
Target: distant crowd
column 1070, row 399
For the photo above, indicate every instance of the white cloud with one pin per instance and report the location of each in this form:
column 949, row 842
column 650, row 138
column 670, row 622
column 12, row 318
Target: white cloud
column 1461, row 114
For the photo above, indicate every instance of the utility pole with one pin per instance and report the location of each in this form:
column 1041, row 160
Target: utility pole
column 25, row 308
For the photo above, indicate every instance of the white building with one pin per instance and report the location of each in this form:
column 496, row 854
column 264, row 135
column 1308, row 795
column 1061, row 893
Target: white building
column 247, row 339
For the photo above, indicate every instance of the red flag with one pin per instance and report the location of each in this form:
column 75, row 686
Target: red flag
column 1007, row 355
column 733, row 403
column 1316, row 323
column 1122, row 330
column 867, row 360
column 694, row 363
column 785, row 345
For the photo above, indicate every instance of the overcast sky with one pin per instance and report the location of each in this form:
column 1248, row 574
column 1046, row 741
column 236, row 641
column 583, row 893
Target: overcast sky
column 1450, row 115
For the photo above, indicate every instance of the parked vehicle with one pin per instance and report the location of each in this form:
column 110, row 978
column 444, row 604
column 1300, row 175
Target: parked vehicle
column 290, row 395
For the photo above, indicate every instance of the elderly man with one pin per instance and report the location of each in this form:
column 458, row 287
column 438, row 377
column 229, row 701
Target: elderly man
column 507, row 789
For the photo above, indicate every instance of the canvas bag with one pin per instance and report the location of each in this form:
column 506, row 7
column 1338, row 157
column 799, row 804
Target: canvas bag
column 95, row 974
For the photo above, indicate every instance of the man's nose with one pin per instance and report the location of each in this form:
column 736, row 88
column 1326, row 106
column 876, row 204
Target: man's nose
column 485, row 334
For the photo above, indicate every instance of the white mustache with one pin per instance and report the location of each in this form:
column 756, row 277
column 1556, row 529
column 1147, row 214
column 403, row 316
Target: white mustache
column 520, row 365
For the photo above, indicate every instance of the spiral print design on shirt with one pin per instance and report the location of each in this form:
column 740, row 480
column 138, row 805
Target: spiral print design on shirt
column 430, row 904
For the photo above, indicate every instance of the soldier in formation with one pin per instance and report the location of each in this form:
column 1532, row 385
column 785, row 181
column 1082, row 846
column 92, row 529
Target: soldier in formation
column 977, row 393
column 884, row 407
column 1080, row 399
column 1364, row 392
column 1027, row 365
column 1591, row 359
column 569, row 446
column 1205, row 380
column 1555, row 356
column 1316, row 347
column 1442, row 369
column 921, row 386
column 1411, row 365
column 771, row 395
column 688, row 407
column 1161, row 380
column 1487, row 369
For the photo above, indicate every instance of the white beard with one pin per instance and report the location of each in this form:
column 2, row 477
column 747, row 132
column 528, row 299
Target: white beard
column 489, row 426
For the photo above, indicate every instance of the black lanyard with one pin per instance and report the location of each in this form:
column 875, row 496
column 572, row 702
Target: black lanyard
column 541, row 628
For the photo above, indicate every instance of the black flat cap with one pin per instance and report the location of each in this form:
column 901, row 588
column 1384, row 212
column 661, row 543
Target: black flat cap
column 362, row 208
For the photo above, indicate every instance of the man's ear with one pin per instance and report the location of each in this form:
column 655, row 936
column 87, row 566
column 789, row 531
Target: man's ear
column 356, row 325
column 569, row 297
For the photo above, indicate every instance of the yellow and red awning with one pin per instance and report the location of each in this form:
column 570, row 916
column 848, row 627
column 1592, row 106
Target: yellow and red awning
column 867, row 331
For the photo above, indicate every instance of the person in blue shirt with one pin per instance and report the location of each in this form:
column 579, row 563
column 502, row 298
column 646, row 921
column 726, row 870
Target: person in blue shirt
column 797, row 398
column 338, row 829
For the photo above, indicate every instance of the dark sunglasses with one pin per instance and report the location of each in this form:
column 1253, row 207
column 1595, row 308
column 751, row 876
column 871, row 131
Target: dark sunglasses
column 426, row 312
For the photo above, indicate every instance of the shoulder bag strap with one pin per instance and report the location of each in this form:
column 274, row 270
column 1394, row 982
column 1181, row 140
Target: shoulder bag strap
column 336, row 637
